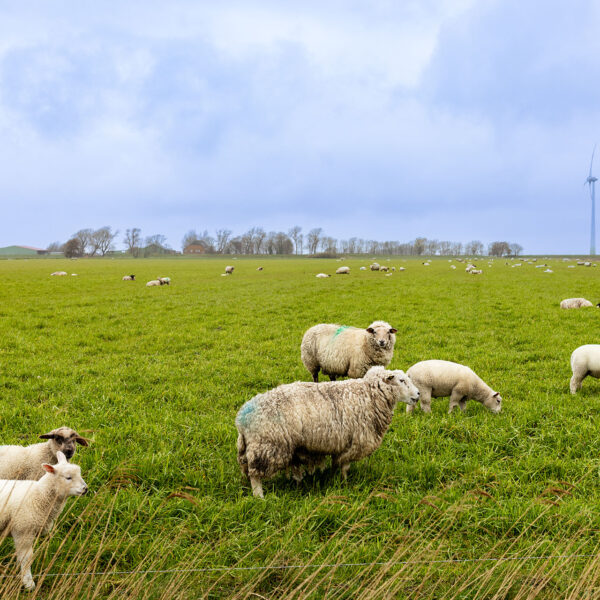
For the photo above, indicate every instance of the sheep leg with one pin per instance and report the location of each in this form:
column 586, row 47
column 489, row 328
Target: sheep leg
column 424, row 401
column 455, row 400
column 576, row 381
column 24, row 551
column 332, row 377
column 256, row 484
column 315, row 375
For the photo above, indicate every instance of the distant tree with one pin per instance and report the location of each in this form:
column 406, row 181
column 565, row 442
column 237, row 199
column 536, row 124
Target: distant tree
column 445, row 248
column 282, row 243
column 498, row 249
column 419, row 245
column 132, row 240
column 515, row 249
column 73, row 248
column 475, row 248
column 155, row 244
column 189, row 238
column 102, row 240
column 329, row 245
column 55, row 247
column 85, row 241
column 295, row 235
column 258, row 239
column 313, row 239
column 223, row 236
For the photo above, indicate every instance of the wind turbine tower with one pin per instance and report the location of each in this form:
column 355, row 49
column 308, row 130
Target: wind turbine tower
column 591, row 181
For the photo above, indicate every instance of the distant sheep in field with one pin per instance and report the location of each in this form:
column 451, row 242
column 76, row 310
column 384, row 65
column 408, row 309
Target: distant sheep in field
column 25, row 462
column 575, row 303
column 401, row 269
column 374, row 267
column 29, row 508
column 585, row 361
column 343, row 271
column 341, row 351
column 129, row 278
column 476, row 272
column 229, row 270
column 259, row 269
column 296, row 426
column 363, row 268
column 158, row 281
column 384, row 268
column 58, row 274
column 322, row 275
column 440, row 378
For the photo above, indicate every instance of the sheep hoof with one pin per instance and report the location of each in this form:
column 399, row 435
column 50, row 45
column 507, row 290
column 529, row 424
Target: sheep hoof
column 29, row 584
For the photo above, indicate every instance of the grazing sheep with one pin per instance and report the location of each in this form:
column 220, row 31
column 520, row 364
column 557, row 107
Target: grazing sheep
column 29, row 508
column 585, row 361
column 58, row 273
column 363, row 268
column 401, row 269
column 440, row 378
column 129, row 278
column 394, row 269
column 299, row 424
column 24, row 462
column 343, row 271
column 259, row 269
column 384, row 268
column 322, row 275
column 341, row 351
column 374, row 267
column 575, row 303
column 229, row 270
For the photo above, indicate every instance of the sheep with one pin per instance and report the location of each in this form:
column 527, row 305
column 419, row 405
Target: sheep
column 23, row 462
column 476, row 272
column 453, row 266
column 341, row 351
column 58, row 273
column 374, row 267
column 575, row 303
column 343, row 271
column 165, row 280
column 394, row 269
column 29, row 508
column 322, row 275
column 363, row 268
column 159, row 281
column 229, row 270
column 129, row 278
column 298, row 425
column 585, row 361
column 440, row 378
column 401, row 269
column 259, row 268
column 384, row 268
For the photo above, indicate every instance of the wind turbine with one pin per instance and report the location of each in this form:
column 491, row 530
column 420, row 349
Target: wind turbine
column 591, row 181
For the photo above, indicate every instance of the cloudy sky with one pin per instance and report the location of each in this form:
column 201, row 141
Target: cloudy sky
column 381, row 119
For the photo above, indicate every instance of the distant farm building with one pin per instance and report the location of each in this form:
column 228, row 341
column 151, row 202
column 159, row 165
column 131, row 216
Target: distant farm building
column 22, row 251
column 195, row 248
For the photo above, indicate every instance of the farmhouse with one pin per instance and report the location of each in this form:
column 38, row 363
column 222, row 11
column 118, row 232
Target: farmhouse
column 196, row 247
column 22, row 251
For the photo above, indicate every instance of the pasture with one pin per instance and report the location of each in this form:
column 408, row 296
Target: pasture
column 154, row 378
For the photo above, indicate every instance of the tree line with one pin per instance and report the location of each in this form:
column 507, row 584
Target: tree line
column 89, row 242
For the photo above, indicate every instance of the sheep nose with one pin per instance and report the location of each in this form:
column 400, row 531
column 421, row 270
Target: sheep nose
column 381, row 342
column 85, row 490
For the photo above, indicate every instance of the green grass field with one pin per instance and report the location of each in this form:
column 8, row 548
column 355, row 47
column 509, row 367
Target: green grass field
column 154, row 378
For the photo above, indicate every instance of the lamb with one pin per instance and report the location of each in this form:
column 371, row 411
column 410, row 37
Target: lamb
column 585, row 361
column 129, row 278
column 58, row 273
column 575, row 303
column 229, row 270
column 440, row 378
column 322, row 275
column 159, row 281
column 476, row 272
column 24, row 462
column 29, row 508
column 374, row 267
column 259, row 268
column 343, row 271
column 341, row 351
column 384, row 268
column 298, row 425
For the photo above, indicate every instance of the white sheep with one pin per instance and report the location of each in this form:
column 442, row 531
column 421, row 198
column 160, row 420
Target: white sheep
column 585, row 361
column 322, row 275
column 29, row 508
column 401, row 269
column 384, row 268
column 453, row 266
column 298, row 425
column 129, row 278
column 159, row 281
column 440, row 378
column 374, row 267
column 58, row 273
column 575, row 303
column 259, row 268
column 343, row 271
column 363, row 268
column 24, row 462
column 476, row 272
column 340, row 351
column 229, row 270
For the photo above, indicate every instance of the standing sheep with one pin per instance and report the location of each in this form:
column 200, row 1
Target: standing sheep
column 229, row 270
column 341, row 351
column 343, row 271
column 299, row 424
column 25, row 462
column 29, row 508
column 440, row 378
column 585, row 361
column 374, row 267
column 575, row 303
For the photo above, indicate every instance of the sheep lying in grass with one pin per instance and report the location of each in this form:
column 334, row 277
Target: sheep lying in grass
column 585, row 361
column 322, row 275
column 58, row 274
column 159, row 281
column 440, row 378
column 298, row 425
column 29, row 508
column 343, row 271
column 575, row 303
column 24, row 462
column 129, row 278
column 341, row 351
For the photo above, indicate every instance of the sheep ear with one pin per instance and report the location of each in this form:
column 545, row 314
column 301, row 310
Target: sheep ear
column 61, row 457
column 389, row 377
column 370, row 330
column 48, row 468
column 392, row 330
column 496, row 394
column 81, row 441
column 48, row 436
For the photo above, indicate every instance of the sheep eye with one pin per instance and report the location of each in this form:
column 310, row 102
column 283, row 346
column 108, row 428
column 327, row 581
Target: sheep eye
column 68, row 478
column 58, row 439
column 403, row 381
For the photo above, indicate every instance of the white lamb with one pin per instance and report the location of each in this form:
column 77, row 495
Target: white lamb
column 585, row 361
column 440, row 378
column 575, row 303
column 29, row 508
column 322, row 275
column 341, row 351
column 129, row 278
column 343, row 271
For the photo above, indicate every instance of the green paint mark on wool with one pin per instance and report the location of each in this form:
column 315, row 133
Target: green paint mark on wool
column 340, row 329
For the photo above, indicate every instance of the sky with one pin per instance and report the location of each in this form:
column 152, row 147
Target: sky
column 380, row 119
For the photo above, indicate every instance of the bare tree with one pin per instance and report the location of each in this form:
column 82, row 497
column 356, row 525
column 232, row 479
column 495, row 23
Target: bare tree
column 102, row 240
column 283, row 244
column 419, row 245
column 295, row 234
column 313, row 239
column 515, row 249
column 156, row 244
column 498, row 249
column 258, row 239
column 85, row 241
column 54, row 247
column 132, row 240
column 475, row 247
column 223, row 236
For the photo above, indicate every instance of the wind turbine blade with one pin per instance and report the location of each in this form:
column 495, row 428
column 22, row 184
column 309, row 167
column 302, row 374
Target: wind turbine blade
column 592, row 161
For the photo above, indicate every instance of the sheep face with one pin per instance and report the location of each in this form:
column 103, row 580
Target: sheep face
column 381, row 335
column 68, row 480
column 493, row 402
column 403, row 389
column 64, row 440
